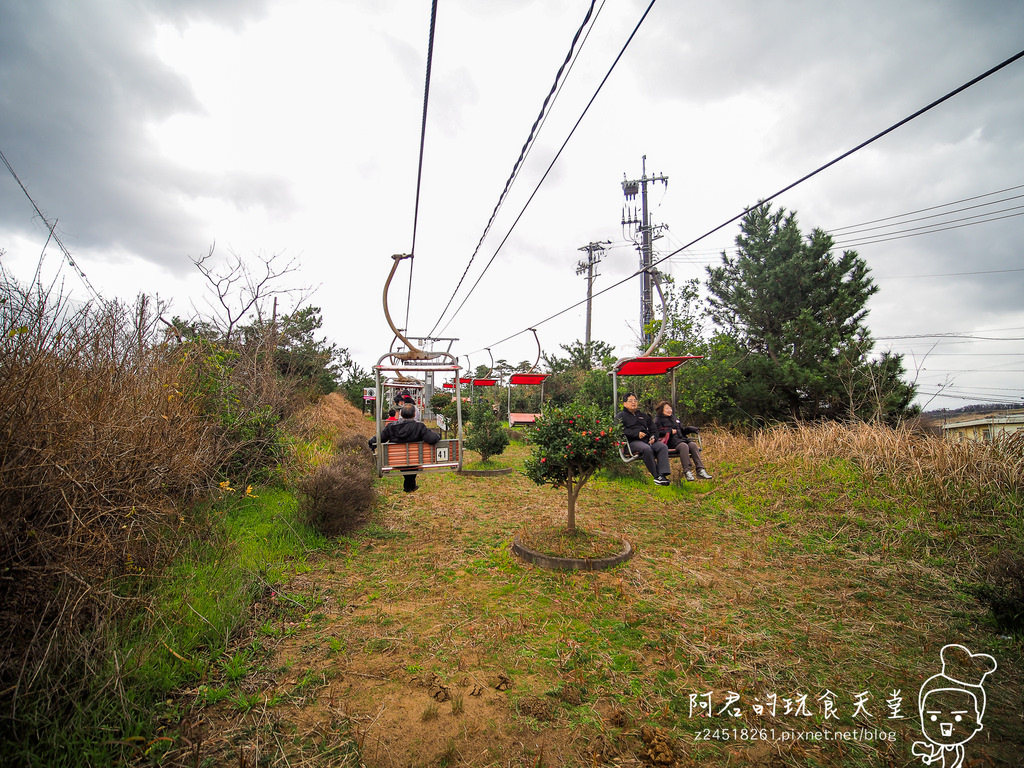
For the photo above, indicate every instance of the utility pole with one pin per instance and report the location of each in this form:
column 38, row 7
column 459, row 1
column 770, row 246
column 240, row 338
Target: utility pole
column 630, row 189
column 595, row 251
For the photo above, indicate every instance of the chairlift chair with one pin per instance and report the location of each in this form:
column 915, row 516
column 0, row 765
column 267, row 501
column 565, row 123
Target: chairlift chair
column 645, row 365
column 520, row 379
column 415, row 458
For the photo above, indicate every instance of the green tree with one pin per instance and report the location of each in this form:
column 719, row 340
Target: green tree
column 580, row 358
column 569, row 445
column 300, row 355
column 797, row 311
column 486, row 435
column 702, row 386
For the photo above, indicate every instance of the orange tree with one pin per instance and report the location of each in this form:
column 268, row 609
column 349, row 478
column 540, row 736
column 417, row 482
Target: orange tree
column 569, row 445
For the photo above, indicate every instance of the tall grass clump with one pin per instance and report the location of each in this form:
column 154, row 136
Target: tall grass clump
column 99, row 446
column 955, row 474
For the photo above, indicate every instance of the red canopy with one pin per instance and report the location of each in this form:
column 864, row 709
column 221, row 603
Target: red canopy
column 484, row 382
column 652, row 366
column 465, row 381
column 527, row 378
column 449, row 385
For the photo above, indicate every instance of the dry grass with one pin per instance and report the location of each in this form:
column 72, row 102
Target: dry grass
column 958, row 472
column 333, row 417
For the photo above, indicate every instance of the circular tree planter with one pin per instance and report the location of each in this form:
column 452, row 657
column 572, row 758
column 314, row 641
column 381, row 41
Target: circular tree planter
column 554, row 563
column 486, row 472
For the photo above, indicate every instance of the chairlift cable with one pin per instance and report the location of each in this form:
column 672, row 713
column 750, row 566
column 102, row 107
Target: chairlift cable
column 785, row 189
column 523, row 152
column 550, row 166
column 419, row 170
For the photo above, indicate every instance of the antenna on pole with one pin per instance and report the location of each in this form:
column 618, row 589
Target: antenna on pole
column 630, row 189
column 595, row 252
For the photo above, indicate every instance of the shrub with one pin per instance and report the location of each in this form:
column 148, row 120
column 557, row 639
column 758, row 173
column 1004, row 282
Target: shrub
column 487, row 436
column 337, row 498
column 570, row 444
column 443, row 404
column 99, row 449
column 1003, row 591
column 241, row 393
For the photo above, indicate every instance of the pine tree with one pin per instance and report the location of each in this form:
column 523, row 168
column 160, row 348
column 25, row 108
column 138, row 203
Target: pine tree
column 797, row 311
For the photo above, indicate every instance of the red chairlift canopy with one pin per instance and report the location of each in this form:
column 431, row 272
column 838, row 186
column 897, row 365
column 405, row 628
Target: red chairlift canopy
column 484, row 382
column 652, row 366
column 465, row 381
column 527, row 378
column 449, row 385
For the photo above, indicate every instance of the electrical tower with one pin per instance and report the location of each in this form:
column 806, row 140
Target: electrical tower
column 630, row 189
column 595, row 251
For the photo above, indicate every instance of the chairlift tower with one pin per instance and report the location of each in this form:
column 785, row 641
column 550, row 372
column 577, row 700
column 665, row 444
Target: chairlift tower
column 630, row 188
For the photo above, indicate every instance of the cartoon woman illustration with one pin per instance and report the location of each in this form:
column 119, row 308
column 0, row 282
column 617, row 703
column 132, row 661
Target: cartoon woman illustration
column 952, row 704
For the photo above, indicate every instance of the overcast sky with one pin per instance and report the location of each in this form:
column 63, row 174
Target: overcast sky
column 153, row 129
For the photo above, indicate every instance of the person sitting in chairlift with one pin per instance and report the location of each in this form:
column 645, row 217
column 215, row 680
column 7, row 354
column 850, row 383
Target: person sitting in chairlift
column 675, row 435
column 643, row 440
column 407, row 430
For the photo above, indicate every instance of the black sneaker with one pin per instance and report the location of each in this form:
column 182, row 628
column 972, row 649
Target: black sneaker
column 662, row 480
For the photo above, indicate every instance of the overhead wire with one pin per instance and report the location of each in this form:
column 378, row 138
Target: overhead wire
column 693, row 256
column 552, row 164
column 419, row 170
column 862, row 145
column 51, row 227
column 523, row 152
column 833, row 230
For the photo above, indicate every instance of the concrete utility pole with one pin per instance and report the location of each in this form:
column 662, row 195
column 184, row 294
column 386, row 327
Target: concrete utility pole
column 594, row 253
column 630, row 189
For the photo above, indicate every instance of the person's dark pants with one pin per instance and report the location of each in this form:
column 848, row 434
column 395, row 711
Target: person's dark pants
column 688, row 451
column 410, row 483
column 655, row 456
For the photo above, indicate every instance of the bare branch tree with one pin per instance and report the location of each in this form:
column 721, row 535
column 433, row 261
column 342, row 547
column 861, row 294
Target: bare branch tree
column 240, row 289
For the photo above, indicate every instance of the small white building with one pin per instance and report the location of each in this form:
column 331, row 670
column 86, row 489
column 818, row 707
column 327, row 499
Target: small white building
column 984, row 429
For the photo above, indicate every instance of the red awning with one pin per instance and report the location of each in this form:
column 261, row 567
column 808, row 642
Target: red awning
column 527, row 378
column 652, row 366
column 449, row 385
column 465, row 381
column 484, row 382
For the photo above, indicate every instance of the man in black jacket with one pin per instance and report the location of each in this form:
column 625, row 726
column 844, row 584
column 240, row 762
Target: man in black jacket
column 643, row 440
column 407, row 430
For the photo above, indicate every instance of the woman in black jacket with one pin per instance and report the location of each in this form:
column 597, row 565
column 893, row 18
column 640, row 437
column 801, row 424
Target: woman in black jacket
column 675, row 435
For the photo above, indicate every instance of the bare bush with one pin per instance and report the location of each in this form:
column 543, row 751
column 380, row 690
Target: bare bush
column 98, row 444
column 337, row 497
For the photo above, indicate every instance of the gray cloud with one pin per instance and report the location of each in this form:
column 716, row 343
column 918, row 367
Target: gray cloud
column 80, row 86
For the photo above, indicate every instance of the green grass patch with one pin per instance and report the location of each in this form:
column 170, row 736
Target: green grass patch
column 242, row 549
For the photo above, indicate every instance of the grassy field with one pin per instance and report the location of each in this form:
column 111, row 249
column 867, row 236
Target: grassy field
column 785, row 613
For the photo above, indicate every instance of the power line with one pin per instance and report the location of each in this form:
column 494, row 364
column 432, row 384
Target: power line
column 902, row 234
column 51, row 227
column 552, row 165
column 833, row 230
column 949, row 274
column 522, row 155
column 785, row 189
